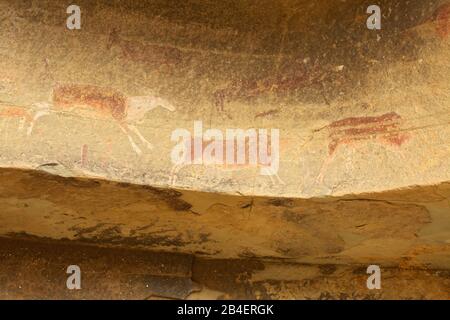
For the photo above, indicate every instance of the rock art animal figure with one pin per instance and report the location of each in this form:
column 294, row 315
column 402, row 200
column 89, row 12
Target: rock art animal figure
column 154, row 55
column 193, row 159
column 105, row 103
column 294, row 77
column 385, row 129
column 25, row 116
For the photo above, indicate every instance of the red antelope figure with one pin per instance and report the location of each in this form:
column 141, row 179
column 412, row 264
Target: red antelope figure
column 257, row 158
column 349, row 131
column 297, row 77
column 24, row 116
column 154, row 55
column 105, row 103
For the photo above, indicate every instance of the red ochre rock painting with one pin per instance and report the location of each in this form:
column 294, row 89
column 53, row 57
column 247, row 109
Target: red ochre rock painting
column 106, row 103
column 386, row 128
column 151, row 54
column 15, row 112
column 280, row 84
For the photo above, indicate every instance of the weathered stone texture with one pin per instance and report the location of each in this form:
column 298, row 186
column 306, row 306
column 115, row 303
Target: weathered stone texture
column 86, row 118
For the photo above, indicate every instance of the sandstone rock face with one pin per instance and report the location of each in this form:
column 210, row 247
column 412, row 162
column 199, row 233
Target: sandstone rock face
column 113, row 273
column 358, row 168
column 407, row 228
column 357, row 110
